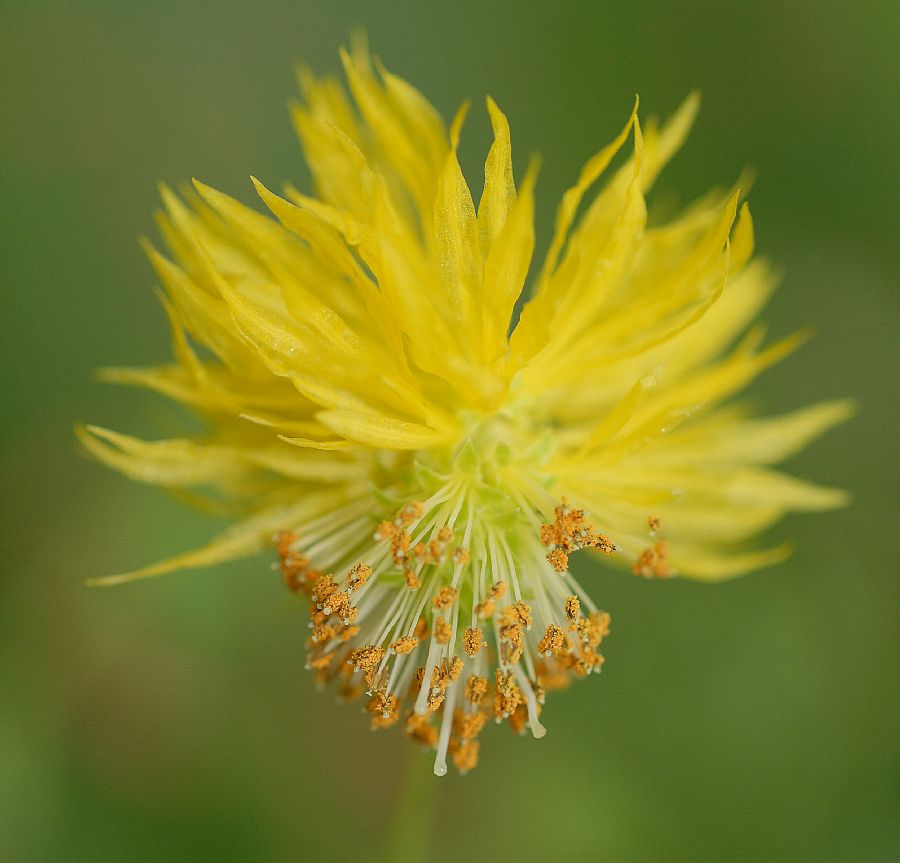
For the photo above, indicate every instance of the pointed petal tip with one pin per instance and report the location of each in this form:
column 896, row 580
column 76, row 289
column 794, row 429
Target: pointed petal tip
column 147, row 245
column 850, row 408
column 691, row 103
column 112, row 580
column 535, row 160
column 347, row 61
column 747, row 180
column 203, row 188
column 161, row 568
column 316, row 444
column 458, row 120
column 499, row 122
column 836, row 411
column 717, row 569
column 803, row 335
column 266, row 195
column 110, row 374
column 92, row 438
column 840, row 498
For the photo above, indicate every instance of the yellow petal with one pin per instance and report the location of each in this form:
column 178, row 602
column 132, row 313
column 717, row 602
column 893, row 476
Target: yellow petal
column 207, row 316
column 283, row 424
column 381, row 431
column 707, row 565
column 506, row 266
column 571, row 200
column 756, row 485
column 742, row 241
column 599, row 253
column 180, row 462
column 321, row 234
column 456, row 233
column 499, row 193
column 335, row 167
column 168, row 462
column 715, row 383
column 399, row 142
column 424, row 123
column 241, row 540
column 316, row 444
column 414, row 290
column 265, row 233
column 616, row 419
column 665, row 144
column 754, row 441
column 300, row 464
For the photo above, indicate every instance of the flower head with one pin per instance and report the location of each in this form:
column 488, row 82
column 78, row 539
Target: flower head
column 426, row 464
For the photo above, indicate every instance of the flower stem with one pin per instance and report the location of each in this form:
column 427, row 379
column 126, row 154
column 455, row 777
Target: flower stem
column 409, row 835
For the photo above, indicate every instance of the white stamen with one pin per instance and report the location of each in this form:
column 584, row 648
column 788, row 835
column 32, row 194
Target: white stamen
column 537, row 730
column 440, row 759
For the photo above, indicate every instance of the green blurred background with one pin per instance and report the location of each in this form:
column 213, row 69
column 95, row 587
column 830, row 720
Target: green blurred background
column 171, row 720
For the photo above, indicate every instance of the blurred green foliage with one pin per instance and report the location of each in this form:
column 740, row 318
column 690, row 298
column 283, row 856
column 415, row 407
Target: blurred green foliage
column 171, row 720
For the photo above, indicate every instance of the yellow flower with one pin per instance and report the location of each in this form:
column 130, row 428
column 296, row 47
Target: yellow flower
column 425, row 461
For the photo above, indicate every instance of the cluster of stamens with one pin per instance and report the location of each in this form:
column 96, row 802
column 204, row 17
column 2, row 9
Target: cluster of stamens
column 435, row 551
column 413, row 647
column 569, row 532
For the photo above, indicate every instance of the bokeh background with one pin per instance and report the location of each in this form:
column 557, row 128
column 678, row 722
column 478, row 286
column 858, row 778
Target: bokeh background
column 171, row 720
